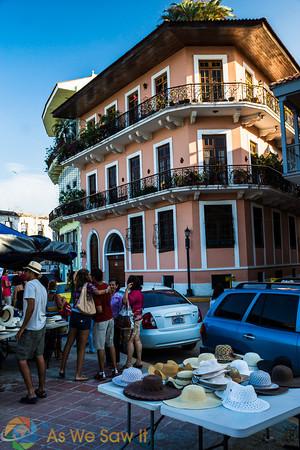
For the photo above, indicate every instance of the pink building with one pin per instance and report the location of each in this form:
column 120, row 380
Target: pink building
column 183, row 131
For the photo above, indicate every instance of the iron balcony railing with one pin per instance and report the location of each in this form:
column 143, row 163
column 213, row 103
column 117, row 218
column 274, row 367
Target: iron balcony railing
column 293, row 158
column 196, row 176
column 180, row 95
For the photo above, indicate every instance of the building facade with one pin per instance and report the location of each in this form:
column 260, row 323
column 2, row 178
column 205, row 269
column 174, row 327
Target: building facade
column 67, row 178
column 28, row 224
column 184, row 131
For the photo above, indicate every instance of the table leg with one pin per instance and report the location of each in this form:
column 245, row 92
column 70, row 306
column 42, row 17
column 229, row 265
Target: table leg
column 152, row 430
column 200, row 438
column 296, row 447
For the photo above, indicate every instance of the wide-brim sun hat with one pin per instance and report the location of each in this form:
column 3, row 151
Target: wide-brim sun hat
column 129, row 375
column 151, row 389
column 262, row 380
column 284, row 377
column 243, row 399
column 210, row 366
column 34, row 266
column 267, row 392
column 194, row 397
column 7, row 316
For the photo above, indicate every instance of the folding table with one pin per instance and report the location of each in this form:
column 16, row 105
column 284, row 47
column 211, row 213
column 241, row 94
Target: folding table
column 239, row 424
column 117, row 392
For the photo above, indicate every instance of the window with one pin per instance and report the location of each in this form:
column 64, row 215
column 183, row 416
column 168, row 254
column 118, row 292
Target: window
column 165, row 231
column 90, row 123
column 168, row 281
column 40, row 229
column 163, row 298
column 161, row 84
column 111, row 111
column 24, row 228
column 219, row 226
column 234, row 306
column 92, row 184
column 292, row 232
column 136, row 235
column 277, row 229
column 71, row 238
column 260, row 276
column 211, row 78
column 275, row 311
column 258, row 227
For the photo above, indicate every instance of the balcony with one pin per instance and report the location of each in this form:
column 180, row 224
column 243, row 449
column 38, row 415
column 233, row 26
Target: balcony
column 293, row 163
column 247, row 104
column 257, row 183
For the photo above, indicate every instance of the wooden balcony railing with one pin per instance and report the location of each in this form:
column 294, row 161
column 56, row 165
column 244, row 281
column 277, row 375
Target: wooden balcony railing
column 175, row 96
column 197, row 176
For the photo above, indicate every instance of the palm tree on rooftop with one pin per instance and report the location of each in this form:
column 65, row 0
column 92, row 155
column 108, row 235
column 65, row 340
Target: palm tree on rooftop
column 193, row 10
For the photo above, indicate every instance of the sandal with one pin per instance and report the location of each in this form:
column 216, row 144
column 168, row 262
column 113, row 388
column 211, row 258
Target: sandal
column 40, row 394
column 28, row 400
column 81, row 379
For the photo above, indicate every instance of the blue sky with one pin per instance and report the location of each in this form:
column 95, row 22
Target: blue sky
column 43, row 42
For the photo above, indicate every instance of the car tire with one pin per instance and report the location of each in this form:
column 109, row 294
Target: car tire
column 189, row 346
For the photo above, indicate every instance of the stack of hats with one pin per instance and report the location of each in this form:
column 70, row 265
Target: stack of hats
column 182, row 379
column 262, row 383
column 242, row 399
column 211, row 375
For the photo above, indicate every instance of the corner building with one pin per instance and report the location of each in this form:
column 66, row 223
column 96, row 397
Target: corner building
column 185, row 127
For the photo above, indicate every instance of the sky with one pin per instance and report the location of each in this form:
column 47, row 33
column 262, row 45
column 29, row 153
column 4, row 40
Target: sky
column 42, row 42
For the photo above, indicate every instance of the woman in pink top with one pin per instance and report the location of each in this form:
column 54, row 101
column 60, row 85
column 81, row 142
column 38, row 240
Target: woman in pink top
column 6, row 288
column 135, row 299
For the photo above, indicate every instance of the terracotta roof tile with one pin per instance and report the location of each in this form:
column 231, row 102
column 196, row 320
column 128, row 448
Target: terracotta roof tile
column 296, row 76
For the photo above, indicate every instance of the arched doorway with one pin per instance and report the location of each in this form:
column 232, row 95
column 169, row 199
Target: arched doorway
column 94, row 252
column 115, row 256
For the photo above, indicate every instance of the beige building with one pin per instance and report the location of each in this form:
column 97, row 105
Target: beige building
column 29, row 224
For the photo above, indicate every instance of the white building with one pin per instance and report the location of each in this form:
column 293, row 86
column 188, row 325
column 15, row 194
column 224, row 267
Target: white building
column 29, row 224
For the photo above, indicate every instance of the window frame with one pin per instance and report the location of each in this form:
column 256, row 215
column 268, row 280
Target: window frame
column 167, row 247
column 246, row 312
column 140, row 249
column 87, row 184
column 157, row 75
column 218, row 244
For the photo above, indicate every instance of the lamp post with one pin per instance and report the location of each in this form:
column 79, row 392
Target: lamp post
column 187, row 233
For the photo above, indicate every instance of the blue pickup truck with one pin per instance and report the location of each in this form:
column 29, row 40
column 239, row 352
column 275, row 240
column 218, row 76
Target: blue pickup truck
column 265, row 321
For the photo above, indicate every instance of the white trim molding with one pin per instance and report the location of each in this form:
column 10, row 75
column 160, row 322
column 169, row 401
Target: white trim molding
column 93, row 116
column 168, row 208
column 223, row 58
column 127, row 94
column 105, row 253
column 158, row 74
column 159, row 144
column 88, row 253
column 229, row 149
column 203, row 232
column 114, row 103
column 130, row 216
column 107, row 166
column 131, row 156
column 250, row 70
column 87, row 175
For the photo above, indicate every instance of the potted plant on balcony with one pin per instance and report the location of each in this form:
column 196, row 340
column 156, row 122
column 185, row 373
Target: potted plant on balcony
column 71, row 201
column 240, row 176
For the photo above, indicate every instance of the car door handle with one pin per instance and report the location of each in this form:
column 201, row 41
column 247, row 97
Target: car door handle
column 249, row 336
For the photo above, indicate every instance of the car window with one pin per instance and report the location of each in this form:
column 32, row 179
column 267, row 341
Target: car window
column 163, row 298
column 234, row 306
column 275, row 311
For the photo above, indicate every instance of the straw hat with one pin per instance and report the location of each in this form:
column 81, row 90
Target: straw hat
column 194, row 397
column 241, row 366
column 128, row 376
column 210, row 366
column 252, row 359
column 183, row 378
column 241, row 398
column 150, row 388
column 194, row 362
column 224, row 354
column 284, row 376
column 7, row 316
column 34, row 266
column 164, row 370
column 261, row 381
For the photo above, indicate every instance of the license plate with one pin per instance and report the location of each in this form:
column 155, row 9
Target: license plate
column 177, row 320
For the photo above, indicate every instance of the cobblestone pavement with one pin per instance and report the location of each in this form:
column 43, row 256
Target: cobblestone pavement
column 72, row 406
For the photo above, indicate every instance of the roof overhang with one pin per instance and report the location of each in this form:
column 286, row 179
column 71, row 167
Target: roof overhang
column 290, row 89
column 254, row 38
column 57, row 97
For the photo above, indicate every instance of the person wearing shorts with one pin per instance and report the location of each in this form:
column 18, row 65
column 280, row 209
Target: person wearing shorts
column 104, row 326
column 31, row 336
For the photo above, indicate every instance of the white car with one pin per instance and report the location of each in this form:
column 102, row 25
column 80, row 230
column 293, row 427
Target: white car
column 169, row 319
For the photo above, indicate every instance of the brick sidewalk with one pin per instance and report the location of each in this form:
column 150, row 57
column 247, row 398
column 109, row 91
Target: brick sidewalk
column 72, row 406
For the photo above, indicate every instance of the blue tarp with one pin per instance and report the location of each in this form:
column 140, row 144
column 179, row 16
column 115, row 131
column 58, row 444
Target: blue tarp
column 7, row 230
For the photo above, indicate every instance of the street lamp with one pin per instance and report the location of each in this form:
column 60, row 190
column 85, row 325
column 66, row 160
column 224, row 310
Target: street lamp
column 187, row 233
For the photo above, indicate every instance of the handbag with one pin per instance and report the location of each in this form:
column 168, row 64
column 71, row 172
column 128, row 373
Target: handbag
column 86, row 304
column 124, row 321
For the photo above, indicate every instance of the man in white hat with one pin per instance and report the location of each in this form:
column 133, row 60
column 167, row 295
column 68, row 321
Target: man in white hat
column 31, row 336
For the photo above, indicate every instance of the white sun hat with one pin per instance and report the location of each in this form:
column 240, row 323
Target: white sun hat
column 241, row 366
column 209, row 366
column 194, row 362
column 128, row 376
column 194, row 397
column 7, row 316
column 218, row 382
column 262, row 380
column 252, row 359
column 241, row 398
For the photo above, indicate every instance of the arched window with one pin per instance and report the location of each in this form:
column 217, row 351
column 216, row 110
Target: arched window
column 115, row 244
column 94, row 252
